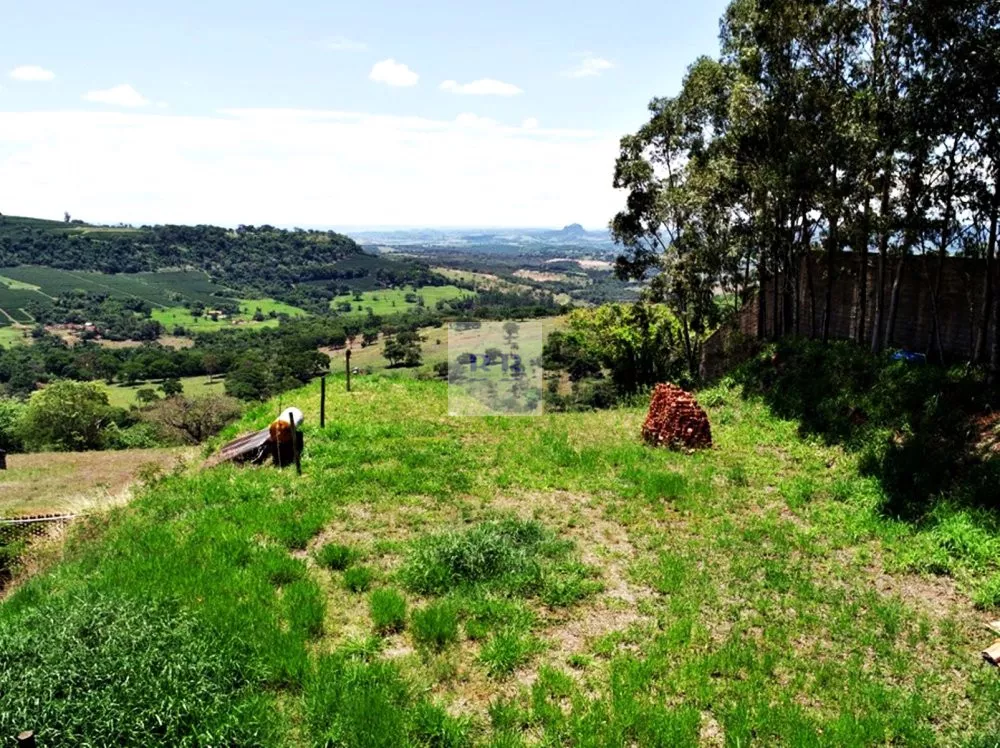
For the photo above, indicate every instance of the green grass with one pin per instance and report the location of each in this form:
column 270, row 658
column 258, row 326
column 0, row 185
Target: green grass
column 386, row 302
column 11, row 335
column 754, row 593
column 388, row 610
column 435, row 625
column 335, row 556
column 124, row 395
column 358, row 578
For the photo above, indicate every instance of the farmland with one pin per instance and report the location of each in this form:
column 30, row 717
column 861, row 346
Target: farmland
column 507, row 580
column 124, row 395
column 384, row 302
column 171, row 317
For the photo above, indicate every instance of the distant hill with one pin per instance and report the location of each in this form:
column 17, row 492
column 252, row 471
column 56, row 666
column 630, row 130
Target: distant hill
column 534, row 239
column 261, row 258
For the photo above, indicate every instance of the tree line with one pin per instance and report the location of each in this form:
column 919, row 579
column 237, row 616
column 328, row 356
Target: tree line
column 868, row 126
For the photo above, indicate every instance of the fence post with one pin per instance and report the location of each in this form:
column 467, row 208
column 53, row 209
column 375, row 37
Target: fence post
column 295, row 446
column 322, row 402
column 347, row 359
column 26, row 739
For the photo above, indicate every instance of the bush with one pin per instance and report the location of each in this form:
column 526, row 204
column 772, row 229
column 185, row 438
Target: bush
column 335, row 556
column 61, row 675
column 192, row 420
column 358, row 578
column 388, row 610
column 68, row 416
column 11, row 412
column 436, row 625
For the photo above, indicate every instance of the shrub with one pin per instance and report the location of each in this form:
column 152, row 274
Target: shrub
column 436, row 625
column 11, row 412
column 335, row 556
column 62, row 666
column 388, row 610
column 192, row 420
column 66, row 416
column 358, row 578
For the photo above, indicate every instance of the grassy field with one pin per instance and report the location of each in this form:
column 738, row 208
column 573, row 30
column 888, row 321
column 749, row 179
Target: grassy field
column 10, row 335
column 172, row 317
column 506, row 581
column 56, row 482
column 123, row 396
column 385, row 302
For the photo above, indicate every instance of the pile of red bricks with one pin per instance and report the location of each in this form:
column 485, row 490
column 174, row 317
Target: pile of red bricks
column 676, row 420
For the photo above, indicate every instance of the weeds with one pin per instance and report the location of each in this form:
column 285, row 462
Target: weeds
column 436, row 625
column 335, row 556
column 388, row 610
column 508, row 649
column 358, row 578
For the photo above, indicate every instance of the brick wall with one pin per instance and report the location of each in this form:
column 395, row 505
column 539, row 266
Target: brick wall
column 958, row 301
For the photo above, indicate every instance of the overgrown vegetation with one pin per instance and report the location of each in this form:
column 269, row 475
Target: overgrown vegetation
column 564, row 583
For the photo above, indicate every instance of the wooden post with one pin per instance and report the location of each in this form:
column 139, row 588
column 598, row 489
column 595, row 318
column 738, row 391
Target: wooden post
column 26, row 739
column 3, row 460
column 347, row 359
column 295, row 446
column 322, row 402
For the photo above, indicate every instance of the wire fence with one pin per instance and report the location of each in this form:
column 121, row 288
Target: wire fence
column 24, row 528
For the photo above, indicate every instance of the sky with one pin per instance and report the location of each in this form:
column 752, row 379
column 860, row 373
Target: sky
column 317, row 113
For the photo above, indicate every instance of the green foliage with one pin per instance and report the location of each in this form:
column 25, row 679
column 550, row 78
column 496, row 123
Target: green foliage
column 637, row 344
column 351, row 700
column 66, row 416
column 11, row 412
column 358, row 578
column 506, row 650
column 71, row 667
column 388, row 610
column 435, row 625
column 335, row 556
column 908, row 422
column 503, row 551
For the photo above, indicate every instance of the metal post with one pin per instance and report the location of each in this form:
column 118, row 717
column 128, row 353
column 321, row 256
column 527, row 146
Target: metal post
column 295, row 446
column 322, row 402
column 347, row 359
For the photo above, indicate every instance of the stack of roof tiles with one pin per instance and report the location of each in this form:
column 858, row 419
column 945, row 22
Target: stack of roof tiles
column 676, row 420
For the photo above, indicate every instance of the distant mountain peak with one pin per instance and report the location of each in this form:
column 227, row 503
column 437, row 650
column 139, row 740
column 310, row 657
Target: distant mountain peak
column 574, row 229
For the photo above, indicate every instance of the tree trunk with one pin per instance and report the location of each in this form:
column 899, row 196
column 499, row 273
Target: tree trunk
column 831, row 256
column 883, row 251
column 979, row 355
column 862, row 330
column 890, row 326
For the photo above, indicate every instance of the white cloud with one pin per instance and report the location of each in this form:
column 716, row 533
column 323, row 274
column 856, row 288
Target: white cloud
column 343, row 44
column 303, row 167
column 393, row 73
column 31, row 73
column 482, row 87
column 122, row 95
column 530, row 124
column 589, row 66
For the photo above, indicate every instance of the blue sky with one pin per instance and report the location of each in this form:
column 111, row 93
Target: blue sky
column 317, row 113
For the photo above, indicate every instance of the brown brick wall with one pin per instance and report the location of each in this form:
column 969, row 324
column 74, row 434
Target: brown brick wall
column 958, row 302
